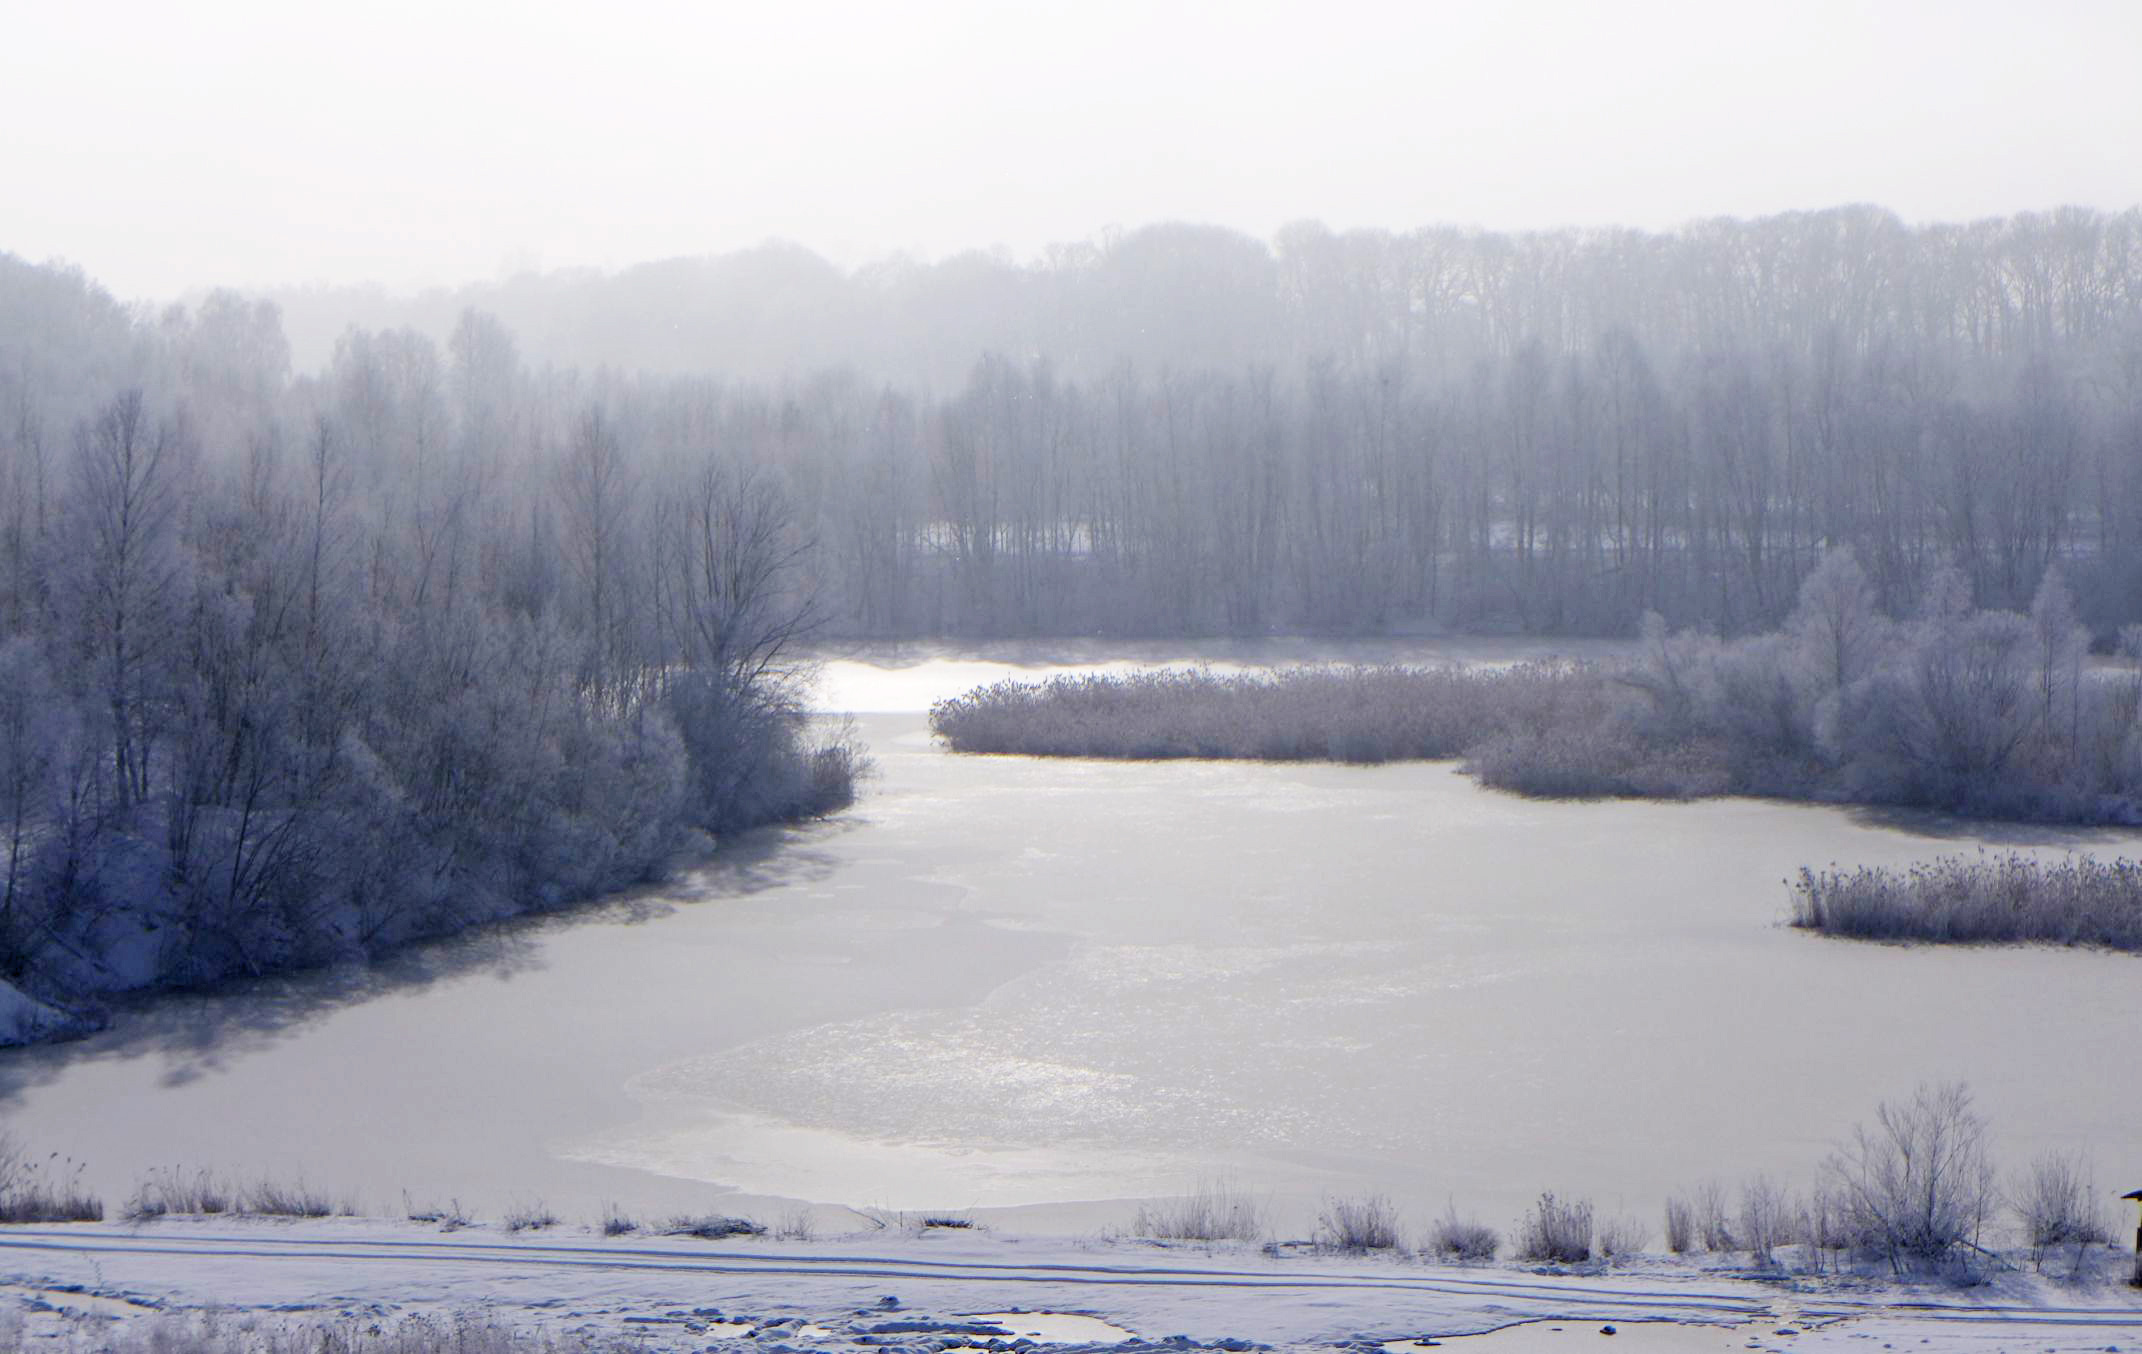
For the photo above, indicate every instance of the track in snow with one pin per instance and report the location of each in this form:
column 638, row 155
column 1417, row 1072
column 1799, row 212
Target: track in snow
column 1553, row 1296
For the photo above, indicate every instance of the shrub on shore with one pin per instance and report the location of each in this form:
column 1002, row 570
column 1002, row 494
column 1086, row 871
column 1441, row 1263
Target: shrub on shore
column 1680, row 1225
column 529, row 1217
column 2009, row 898
column 2055, row 1200
column 1915, row 1187
column 1622, row 1237
column 712, row 1227
column 1769, row 1218
column 1466, row 1240
column 449, row 1216
column 290, row 1199
column 169, row 1190
column 1556, row 1232
column 1356, row 1225
column 1216, row 1210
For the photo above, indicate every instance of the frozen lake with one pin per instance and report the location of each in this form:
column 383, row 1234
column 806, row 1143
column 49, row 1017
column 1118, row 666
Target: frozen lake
column 1055, row 986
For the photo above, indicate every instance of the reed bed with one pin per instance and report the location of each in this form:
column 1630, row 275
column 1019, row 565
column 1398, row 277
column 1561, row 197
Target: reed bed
column 1362, row 715
column 1987, row 898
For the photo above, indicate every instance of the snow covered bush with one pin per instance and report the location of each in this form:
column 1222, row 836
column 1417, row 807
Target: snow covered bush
column 1621, row 1237
column 1769, row 1218
column 1915, row 1187
column 1556, row 1231
column 1680, row 1225
column 712, row 1226
column 1356, row 1224
column 2056, row 1202
column 1461, row 1239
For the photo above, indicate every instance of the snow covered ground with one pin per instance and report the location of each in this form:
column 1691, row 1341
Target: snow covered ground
column 86, row 1286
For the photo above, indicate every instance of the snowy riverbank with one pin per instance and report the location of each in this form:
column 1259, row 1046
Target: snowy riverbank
column 108, row 1285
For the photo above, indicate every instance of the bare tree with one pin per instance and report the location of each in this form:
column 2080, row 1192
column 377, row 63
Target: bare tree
column 126, row 496
column 596, row 487
column 1916, row 1186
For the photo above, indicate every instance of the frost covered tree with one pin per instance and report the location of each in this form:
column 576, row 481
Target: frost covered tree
column 121, row 591
column 343, row 660
column 1836, row 626
column 1916, row 1185
column 2058, row 643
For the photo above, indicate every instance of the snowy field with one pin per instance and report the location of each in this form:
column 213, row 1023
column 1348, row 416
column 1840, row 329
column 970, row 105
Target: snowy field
column 88, row 1286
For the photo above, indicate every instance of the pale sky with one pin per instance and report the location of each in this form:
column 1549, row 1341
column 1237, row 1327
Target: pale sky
column 171, row 146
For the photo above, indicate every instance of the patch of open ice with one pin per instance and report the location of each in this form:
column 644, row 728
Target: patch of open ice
column 1057, row 1328
column 1562, row 1337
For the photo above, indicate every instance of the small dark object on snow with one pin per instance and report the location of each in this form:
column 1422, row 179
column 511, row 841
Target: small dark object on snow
column 2136, row 1195
column 888, row 1301
column 713, row 1227
column 1608, row 1330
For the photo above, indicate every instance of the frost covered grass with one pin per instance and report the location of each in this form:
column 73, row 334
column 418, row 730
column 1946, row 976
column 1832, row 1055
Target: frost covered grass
column 172, row 1192
column 1556, row 1231
column 1461, row 1240
column 1217, row 1210
column 1622, row 1237
column 1987, row 899
column 450, row 1216
column 528, row 1218
column 1345, row 714
column 169, row 1190
column 292, row 1199
column 1365, row 1223
column 43, row 1189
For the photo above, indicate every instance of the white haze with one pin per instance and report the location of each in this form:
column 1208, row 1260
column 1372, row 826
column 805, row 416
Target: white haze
column 172, row 147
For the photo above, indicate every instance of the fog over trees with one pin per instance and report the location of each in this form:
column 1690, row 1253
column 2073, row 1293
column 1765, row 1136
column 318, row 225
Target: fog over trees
column 1181, row 429
column 489, row 600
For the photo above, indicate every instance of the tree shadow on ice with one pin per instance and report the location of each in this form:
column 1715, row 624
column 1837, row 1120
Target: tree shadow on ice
column 752, row 862
column 197, row 1031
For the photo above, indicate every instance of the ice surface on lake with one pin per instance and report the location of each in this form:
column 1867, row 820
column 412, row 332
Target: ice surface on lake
column 1006, row 982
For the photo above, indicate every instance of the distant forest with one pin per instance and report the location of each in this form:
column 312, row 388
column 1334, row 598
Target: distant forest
column 1183, row 430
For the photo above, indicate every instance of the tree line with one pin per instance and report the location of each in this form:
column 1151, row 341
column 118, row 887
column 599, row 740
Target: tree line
column 293, row 670
column 1184, row 430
